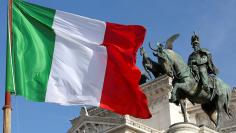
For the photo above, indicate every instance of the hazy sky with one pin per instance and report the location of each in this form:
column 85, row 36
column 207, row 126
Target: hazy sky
column 213, row 20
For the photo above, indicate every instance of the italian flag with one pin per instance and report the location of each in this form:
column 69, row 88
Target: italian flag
column 63, row 58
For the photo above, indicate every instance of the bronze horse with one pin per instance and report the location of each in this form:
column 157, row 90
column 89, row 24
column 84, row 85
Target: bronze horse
column 150, row 65
column 186, row 86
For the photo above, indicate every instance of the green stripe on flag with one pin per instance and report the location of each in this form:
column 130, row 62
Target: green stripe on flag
column 32, row 50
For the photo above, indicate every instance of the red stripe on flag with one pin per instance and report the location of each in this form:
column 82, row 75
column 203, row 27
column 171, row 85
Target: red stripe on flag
column 121, row 92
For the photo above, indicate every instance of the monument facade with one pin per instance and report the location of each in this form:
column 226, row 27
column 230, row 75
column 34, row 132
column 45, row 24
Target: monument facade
column 164, row 114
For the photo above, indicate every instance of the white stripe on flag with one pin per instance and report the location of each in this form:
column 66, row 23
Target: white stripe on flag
column 79, row 61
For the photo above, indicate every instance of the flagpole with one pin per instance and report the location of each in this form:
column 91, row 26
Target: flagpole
column 7, row 107
column 7, row 114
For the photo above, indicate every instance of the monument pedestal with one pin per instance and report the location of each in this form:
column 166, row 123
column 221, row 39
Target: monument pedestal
column 164, row 113
column 185, row 127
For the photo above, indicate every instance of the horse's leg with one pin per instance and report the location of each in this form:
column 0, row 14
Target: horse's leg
column 183, row 109
column 173, row 94
column 179, row 87
column 210, row 110
column 213, row 117
column 219, row 107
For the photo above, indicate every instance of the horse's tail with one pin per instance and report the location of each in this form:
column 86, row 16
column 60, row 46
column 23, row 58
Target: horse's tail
column 227, row 102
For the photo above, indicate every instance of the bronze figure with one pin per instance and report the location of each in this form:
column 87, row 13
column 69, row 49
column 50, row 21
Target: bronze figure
column 150, row 65
column 188, row 84
column 201, row 64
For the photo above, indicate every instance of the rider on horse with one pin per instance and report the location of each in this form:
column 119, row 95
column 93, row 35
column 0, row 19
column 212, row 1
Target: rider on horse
column 200, row 62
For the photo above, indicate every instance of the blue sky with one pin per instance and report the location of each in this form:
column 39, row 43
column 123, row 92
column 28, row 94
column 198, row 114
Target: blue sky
column 214, row 21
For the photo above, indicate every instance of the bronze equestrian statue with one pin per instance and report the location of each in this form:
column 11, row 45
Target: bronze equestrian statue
column 186, row 85
column 150, row 65
column 201, row 64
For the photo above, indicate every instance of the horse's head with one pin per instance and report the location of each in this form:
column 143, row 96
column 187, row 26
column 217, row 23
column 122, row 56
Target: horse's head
column 164, row 59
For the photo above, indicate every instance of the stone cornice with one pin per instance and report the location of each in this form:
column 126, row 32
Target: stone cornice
column 139, row 126
column 162, row 81
column 116, row 122
column 228, row 129
column 93, row 119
